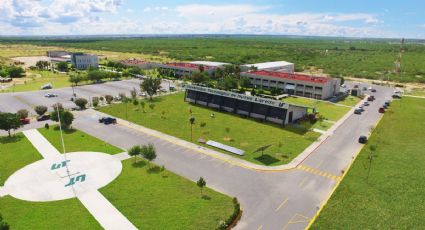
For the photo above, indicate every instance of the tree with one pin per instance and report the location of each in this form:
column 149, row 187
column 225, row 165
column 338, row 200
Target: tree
column 227, row 83
column 40, row 109
column 192, row 122
column 149, row 152
column 22, row 113
column 66, row 117
column 3, row 224
column 135, row 151
column 109, row 99
column 142, row 104
column 151, row 86
column 75, row 79
column 244, row 82
column 9, row 121
column 15, row 71
column 81, row 102
column 62, row 66
column 201, row 183
column 133, row 93
column 199, row 77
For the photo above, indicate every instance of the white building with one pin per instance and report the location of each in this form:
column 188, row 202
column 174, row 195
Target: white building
column 278, row 66
column 84, row 61
column 295, row 84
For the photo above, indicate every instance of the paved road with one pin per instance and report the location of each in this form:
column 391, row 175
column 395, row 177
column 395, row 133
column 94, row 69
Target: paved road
column 12, row 102
column 270, row 200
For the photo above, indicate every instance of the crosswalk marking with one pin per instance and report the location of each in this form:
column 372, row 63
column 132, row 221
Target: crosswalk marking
column 319, row 173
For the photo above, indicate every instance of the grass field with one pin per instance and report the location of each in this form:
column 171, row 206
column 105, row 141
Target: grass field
column 163, row 200
column 329, row 110
column 171, row 115
column 36, row 79
column 15, row 153
column 392, row 196
column 335, row 56
column 76, row 140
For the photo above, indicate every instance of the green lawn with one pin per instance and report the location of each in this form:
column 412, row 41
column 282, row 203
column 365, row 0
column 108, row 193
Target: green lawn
column 392, row 197
column 65, row 214
column 76, row 140
column 15, row 153
column 33, row 83
column 329, row 110
column 163, row 200
column 245, row 134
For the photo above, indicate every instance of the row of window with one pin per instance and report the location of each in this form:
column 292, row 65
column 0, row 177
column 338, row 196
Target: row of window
column 280, row 83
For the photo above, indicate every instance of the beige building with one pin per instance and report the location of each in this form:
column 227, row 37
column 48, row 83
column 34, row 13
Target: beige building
column 295, row 84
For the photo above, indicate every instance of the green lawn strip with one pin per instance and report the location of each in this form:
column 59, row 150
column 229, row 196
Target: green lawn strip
column 15, row 153
column 58, row 80
column 76, row 141
column 392, row 197
column 163, row 200
column 65, row 214
column 245, row 134
column 329, row 110
column 322, row 125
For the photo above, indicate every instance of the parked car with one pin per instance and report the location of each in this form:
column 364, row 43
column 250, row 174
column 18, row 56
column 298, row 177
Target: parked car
column 366, row 103
column 143, row 94
column 362, row 139
column 24, row 121
column 47, row 86
column 373, row 90
column 49, row 95
column 371, row 98
column 385, row 106
column 44, row 117
column 108, row 120
column 381, row 110
column 364, row 88
column 388, row 103
column 358, row 111
column 117, row 98
column 397, row 96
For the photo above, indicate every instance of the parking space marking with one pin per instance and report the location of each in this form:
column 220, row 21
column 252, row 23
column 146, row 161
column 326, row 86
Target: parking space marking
column 281, row 204
column 296, row 219
column 303, row 181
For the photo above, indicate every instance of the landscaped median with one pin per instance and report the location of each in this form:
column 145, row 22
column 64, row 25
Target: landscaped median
column 384, row 189
column 170, row 115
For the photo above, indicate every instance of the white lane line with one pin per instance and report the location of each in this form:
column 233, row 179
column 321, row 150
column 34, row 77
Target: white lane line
column 42, row 145
column 104, row 212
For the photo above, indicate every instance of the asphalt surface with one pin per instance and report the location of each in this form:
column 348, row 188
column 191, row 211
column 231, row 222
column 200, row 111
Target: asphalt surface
column 270, row 200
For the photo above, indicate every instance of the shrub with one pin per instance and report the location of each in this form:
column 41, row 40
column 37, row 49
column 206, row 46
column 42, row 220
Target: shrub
column 22, row 113
column 109, row 99
column 46, row 126
column 233, row 217
column 152, row 106
column 203, row 124
column 81, row 102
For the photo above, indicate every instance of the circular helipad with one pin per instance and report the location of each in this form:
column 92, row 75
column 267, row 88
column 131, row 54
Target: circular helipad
column 59, row 178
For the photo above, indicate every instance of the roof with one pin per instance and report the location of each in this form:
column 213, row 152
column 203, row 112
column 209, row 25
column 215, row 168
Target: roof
column 133, row 61
column 189, row 65
column 209, row 63
column 266, row 65
column 292, row 76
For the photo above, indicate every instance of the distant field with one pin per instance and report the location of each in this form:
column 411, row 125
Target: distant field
column 336, row 56
column 171, row 116
column 392, row 196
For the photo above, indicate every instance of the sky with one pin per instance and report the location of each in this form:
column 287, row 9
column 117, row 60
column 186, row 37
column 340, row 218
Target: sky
column 342, row 18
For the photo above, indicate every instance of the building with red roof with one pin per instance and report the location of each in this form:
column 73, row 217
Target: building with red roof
column 295, row 83
column 188, row 68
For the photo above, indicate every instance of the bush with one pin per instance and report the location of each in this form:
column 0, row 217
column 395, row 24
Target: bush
column 22, row 113
column 230, row 222
column 109, row 99
column 46, row 126
column 203, row 124
column 81, row 102
column 152, row 106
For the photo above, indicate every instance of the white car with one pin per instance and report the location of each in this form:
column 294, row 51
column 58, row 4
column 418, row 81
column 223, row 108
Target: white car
column 49, row 95
column 142, row 94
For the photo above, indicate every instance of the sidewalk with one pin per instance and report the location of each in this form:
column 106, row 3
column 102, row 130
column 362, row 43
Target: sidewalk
column 228, row 158
column 42, row 145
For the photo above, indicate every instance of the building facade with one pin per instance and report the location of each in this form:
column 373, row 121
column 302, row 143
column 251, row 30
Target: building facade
column 256, row 107
column 181, row 69
column 295, row 84
column 84, row 61
column 278, row 66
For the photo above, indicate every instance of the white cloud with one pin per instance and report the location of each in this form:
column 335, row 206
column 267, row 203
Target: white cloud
column 66, row 16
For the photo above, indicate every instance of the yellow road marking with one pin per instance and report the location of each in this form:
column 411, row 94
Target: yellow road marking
column 281, row 205
column 294, row 220
column 318, row 172
column 260, row 227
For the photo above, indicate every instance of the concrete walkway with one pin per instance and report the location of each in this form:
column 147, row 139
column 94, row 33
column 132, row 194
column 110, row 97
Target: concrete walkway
column 42, row 145
column 104, row 212
column 228, row 158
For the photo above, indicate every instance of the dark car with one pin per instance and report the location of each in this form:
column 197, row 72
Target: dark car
column 388, row 103
column 381, row 110
column 366, row 103
column 371, row 98
column 362, row 139
column 24, row 121
column 44, row 117
column 358, row 111
column 396, row 96
column 373, row 90
column 108, row 120
column 385, row 106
